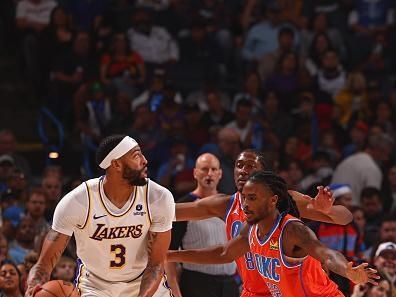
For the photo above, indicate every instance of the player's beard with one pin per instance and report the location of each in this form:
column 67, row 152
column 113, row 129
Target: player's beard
column 134, row 177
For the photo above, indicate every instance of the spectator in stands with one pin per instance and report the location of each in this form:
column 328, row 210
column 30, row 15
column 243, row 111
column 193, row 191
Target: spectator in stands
column 320, row 27
column 122, row 116
column 261, row 39
column 152, row 42
column 32, row 16
column 145, row 128
column 17, row 183
column 229, row 145
column 331, row 76
column 389, row 189
column 56, row 39
column 64, row 269
column 352, row 101
column 121, row 68
column 252, row 91
column 176, row 172
column 362, row 169
column 6, row 168
column 387, row 232
column 384, row 118
column 319, row 45
column 24, row 240
column 357, row 137
column 243, row 120
column 217, row 113
column 193, row 119
column 199, row 56
column 267, row 63
column 367, row 20
column 10, row 279
column 284, row 79
column 385, row 261
column 96, row 117
column 85, row 13
column 12, row 217
column 199, row 96
column 8, row 145
column 372, row 204
column 155, row 93
column 68, row 73
column 276, row 119
column 52, row 186
column 3, row 247
column 35, row 209
column 202, row 280
column 321, row 171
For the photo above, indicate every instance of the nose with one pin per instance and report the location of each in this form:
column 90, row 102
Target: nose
column 144, row 160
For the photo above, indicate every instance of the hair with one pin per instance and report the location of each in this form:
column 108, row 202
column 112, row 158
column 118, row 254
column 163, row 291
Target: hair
column 244, row 103
column 388, row 218
column 106, row 146
column 261, row 157
column 286, row 31
column 37, row 191
column 370, row 192
column 278, row 186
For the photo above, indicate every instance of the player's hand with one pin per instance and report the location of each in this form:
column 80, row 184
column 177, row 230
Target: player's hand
column 362, row 274
column 31, row 291
column 323, row 201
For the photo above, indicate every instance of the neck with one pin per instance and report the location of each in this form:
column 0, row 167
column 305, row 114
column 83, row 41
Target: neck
column 116, row 190
column 265, row 225
column 203, row 193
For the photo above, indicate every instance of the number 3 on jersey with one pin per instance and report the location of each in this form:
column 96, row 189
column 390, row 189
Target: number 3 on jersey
column 119, row 256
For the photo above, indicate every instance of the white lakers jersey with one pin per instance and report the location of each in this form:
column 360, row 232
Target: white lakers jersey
column 112, row 242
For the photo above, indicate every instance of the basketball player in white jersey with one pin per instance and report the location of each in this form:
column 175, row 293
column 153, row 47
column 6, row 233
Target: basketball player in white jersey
column 121, row 223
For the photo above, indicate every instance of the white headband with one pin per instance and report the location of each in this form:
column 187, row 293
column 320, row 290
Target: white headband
column 121, row 149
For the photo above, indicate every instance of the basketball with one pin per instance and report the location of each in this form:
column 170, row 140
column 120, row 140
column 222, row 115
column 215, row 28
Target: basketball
column 57, row 288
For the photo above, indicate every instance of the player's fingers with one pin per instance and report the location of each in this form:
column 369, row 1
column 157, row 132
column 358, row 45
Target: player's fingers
column 363, row 265
column 320, row 189
column 371, row 281
column 350, row 264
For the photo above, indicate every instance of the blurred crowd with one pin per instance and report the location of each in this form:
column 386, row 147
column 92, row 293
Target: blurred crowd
column 310, row 83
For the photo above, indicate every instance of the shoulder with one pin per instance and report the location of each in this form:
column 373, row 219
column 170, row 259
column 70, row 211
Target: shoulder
column 156, row 191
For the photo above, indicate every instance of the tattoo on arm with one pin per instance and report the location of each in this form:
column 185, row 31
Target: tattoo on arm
column 153, row 272
column 306, row 239
column 41, row 272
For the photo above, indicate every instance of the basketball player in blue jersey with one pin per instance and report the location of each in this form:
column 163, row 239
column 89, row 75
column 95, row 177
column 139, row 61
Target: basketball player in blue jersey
column 121, row 222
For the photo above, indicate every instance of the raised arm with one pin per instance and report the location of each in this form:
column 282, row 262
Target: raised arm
column 219, row 254
column 299, row 235
column 53, row 246
column 158, row 243
column 212, row 206
column 321, row 207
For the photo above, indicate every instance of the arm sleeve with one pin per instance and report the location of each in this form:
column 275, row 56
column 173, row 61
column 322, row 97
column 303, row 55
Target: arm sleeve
column 71, row 211
column 162, row 212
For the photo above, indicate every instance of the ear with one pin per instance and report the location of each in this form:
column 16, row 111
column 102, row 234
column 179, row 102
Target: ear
column 220, row 174
column 116, row 164
column 274, row 200
column 195, row 173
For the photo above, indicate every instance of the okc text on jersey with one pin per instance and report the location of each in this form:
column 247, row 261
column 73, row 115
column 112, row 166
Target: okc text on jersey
column 267, row 267
column 102, row 232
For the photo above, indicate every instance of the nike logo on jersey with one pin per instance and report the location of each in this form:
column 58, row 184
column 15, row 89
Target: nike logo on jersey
column 98, row 217
column 102, row 232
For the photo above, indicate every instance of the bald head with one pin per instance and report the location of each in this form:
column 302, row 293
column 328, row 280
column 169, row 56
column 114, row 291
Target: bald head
column 207, row 173
column 207, row 158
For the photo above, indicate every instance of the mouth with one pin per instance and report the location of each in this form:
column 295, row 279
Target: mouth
column 209, row 181
column 144, row 172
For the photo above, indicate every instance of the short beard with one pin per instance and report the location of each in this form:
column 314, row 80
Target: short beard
column 133, row 176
